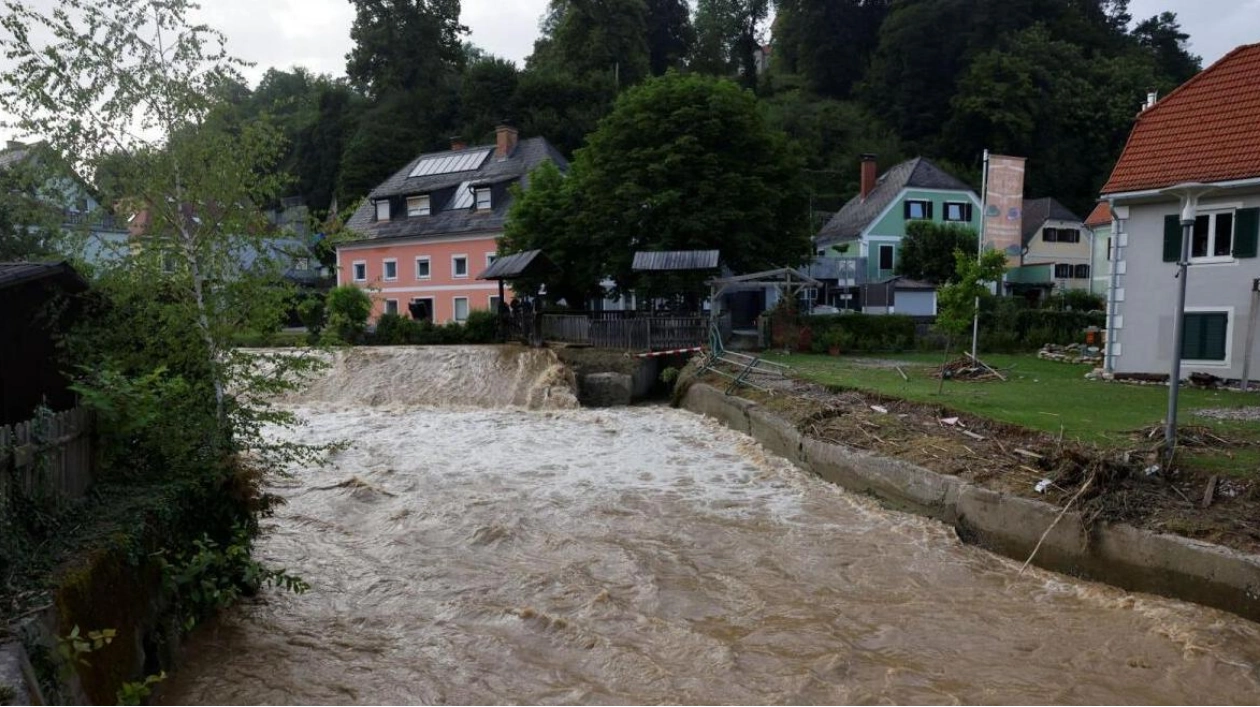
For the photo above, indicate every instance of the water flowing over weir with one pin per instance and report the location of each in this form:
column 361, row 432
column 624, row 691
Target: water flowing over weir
column 643, row 555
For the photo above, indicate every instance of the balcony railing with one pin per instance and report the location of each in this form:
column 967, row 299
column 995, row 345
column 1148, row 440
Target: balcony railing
column 636, row 333
column 844, row 272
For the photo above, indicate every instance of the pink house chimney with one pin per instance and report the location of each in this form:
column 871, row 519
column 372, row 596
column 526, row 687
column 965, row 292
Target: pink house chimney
column 505, row 143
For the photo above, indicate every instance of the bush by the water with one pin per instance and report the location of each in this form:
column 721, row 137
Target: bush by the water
column 397, row 330
column 348, row 310
column 860, row 332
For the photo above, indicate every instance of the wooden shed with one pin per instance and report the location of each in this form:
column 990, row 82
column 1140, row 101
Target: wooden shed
column 34, row 302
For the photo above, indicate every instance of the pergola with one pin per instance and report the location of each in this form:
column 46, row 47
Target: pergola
column 526, row 264
column 789, row 282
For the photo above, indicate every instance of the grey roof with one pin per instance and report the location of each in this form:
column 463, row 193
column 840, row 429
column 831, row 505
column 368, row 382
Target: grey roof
column 14, row 155
column 665, row 260
column 529, row 153
column 14, row 274
column 1037, row 211
column 525, row 264
column 858, row 213
column 901, row 282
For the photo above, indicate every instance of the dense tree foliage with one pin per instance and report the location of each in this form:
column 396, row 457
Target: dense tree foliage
column 828, row 42
column 927, row 251
column 682, row 163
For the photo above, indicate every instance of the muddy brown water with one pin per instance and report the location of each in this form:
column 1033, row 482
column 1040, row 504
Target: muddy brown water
column 646, row 555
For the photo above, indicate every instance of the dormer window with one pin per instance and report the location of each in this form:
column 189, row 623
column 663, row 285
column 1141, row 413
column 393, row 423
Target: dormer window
column 483, row 198
column 382, row 210
column 418, row 205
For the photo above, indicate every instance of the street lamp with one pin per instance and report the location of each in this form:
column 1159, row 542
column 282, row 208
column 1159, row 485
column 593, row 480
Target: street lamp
column 1188, row 193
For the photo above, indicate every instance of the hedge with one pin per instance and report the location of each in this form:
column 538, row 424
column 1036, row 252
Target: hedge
column 482, row 327
column 859, row 332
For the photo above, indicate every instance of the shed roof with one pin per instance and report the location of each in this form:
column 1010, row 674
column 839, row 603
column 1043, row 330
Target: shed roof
column 530, row 263
column 858, row 213
column 15, row 274
column 1205, row 131
column 667, row 260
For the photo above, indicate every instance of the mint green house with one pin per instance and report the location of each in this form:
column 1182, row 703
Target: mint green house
column 860, row 246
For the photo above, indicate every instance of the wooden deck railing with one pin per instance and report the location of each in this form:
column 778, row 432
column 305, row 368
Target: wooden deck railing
column 636, row 333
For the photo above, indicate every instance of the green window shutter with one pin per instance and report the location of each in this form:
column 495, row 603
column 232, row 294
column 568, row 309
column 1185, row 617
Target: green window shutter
column 1246, row 232
column 1203, row 336
column 1172, row 238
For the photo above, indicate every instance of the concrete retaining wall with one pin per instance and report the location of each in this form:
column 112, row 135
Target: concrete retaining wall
column 1128, row 557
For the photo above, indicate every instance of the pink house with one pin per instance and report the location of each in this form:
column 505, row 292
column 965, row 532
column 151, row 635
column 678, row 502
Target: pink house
column 431, row 228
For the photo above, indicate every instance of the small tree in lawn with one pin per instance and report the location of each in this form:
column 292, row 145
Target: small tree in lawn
column 956, row 301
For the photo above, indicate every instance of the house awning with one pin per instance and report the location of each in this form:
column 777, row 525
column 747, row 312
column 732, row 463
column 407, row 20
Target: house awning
column 530, row 263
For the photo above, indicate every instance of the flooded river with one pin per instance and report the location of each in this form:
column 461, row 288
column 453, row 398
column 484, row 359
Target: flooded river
column 647, row 555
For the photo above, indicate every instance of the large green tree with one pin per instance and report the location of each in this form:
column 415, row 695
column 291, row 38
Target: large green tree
column 687, row 162
column 829, row 42
column 1162, row 36
column 927, row 251
column 670, row 34
column 486, row 93
column 404, row 45
column 728, row 34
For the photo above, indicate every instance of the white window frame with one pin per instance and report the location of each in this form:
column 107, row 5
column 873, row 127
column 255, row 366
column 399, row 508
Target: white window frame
column 390, row 302
column 378, row 204
column 455, row 309
column 490, row 258
column 493, row 301
column 962, row 212
column 1229, row 338
column 454, row 272
column 385, row 269
column 418, row 206
column 354, row 271
column 925, row 203
column 1211, row 213
column 477, row 194
column 428, row 266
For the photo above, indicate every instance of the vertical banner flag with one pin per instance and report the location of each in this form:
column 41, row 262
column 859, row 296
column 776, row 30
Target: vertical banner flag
column 1004, row 205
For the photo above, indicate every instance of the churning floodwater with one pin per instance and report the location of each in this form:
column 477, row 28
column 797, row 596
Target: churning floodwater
column 647, row 555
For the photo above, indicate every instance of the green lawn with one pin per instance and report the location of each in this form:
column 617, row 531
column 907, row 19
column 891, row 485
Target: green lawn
column 1041, row 395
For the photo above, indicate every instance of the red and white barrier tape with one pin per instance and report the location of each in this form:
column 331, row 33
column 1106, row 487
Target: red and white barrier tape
column 669, row 352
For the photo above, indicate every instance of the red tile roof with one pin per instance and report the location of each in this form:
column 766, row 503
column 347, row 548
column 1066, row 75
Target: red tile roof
column 1208, row 130
column 1100, row 216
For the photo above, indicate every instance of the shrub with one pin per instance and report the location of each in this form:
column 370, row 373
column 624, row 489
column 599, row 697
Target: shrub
column 482, row 327
column 311, row 312
column 348, row 310
column 392, row 330
column 862, row 332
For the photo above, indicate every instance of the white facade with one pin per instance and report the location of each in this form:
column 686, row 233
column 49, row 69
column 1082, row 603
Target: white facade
column 1142, row 288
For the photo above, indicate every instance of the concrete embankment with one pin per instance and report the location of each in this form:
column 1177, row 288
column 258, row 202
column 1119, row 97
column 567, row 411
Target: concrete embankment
column 1117, row 554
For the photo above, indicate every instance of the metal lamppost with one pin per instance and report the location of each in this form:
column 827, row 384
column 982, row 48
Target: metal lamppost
column 1189, row 194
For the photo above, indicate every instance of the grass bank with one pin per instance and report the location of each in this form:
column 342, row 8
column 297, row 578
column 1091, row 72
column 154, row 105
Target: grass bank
column 1050, row 397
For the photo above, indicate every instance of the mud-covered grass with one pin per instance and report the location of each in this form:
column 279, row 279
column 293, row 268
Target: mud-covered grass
column 1096, row 458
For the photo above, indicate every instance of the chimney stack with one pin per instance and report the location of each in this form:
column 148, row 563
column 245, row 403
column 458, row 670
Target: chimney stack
column 505, row 142
column 457, row 143
column 870, row 173
column 1152, row 97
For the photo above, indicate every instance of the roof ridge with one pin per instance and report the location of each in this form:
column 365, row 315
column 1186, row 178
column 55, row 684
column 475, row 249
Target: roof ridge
column 1159, row 103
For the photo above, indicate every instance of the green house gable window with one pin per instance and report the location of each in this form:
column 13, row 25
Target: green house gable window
column 1204, row 336
column 917, row 209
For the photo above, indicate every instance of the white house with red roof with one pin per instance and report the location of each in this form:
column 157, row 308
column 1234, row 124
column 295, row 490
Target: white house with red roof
column 1206, row 131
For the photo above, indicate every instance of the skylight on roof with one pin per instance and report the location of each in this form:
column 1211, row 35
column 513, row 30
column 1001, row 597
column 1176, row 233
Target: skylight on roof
column 451, row 162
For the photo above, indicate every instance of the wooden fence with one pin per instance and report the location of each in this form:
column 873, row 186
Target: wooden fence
column 645, row 333
column 48, row 456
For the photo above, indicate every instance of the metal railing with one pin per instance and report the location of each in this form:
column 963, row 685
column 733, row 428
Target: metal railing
column 637, row 333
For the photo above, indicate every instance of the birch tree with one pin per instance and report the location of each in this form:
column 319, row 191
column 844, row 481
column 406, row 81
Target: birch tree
column 138, row 85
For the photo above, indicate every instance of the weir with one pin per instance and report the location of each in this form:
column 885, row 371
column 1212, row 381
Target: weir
column 467, row 548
